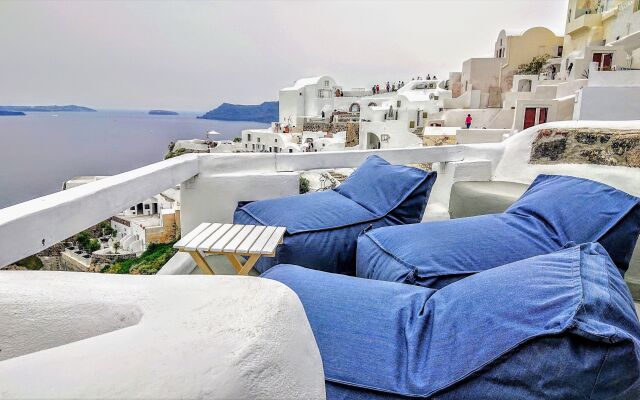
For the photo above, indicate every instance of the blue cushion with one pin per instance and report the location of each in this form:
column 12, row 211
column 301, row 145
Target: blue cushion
column 560, row 325
column 554, row 211
column 323, row 228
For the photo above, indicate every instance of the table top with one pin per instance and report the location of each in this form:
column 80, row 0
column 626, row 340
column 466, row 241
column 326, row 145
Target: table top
column 232, row 238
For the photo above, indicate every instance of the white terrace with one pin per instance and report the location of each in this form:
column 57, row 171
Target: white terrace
column 75, row 316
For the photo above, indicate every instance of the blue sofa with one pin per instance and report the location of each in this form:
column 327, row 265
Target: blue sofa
column 323, row 228
column 560, row 325
column 554, row 211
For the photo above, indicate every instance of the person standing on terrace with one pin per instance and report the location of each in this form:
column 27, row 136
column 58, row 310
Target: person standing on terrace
column 468, row 121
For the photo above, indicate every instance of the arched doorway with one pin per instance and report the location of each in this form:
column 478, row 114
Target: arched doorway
column 354, row 108
column 373, row 141
column 372, row 104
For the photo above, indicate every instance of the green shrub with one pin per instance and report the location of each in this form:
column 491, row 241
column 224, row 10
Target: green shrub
column 83, row 239
column 176, row 153
column 106, row 228
column 304, row 185
column 94, row 245
column 237, row 139
column 32, row 263
column 149, row 262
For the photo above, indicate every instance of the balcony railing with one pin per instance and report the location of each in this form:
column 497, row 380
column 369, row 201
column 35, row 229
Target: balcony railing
column 211, row 185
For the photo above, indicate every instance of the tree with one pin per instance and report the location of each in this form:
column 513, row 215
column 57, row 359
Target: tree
column 83, row 239
column 94, row 245
column 106, row 228
column 116, row 246
column 534, row 67
column 237, row 139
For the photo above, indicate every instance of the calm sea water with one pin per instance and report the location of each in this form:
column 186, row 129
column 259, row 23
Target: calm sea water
column 40, row 151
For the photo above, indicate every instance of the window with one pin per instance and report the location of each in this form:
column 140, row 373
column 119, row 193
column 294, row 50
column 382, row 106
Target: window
column 133, row 208
column 290, row 150
column 276, row 140
column 425, row 115
column 398, row 103
column 560, row 50
column 246, row 146
column 253, row 147
column 412, row 124
column 270, row 149
column 248, row 137
column 258, row 140
column 326, row 83
column 147, row 206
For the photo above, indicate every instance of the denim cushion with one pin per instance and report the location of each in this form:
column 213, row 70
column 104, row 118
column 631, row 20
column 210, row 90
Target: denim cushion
column 560, row 325
column 323, row 228
column 554, row 211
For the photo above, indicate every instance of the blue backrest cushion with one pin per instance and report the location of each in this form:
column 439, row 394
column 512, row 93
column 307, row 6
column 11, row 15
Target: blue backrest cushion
column 305, row 213
column 501, row 331
column 556, row 210
column 439, row 253
column 581, row 210
column 384, row 189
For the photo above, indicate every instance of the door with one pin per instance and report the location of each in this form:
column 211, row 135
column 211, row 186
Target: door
column 597, row 58
column 607, row 61
column 529, row 117
column 543, row 115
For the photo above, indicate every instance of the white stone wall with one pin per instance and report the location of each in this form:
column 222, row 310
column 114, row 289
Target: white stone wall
column 94, row 336
column 608, row 104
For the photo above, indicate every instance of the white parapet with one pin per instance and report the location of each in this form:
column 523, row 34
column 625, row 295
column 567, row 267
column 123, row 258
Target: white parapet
column 90, row 336
column 32, row 226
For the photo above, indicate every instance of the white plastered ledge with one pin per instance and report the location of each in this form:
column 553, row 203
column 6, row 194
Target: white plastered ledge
column 70, row 335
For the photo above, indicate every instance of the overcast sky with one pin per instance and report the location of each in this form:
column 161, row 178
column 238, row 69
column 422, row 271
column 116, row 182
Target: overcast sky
column 195, row 55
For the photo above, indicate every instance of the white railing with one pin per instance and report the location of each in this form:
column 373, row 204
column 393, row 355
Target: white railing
column 32, row 226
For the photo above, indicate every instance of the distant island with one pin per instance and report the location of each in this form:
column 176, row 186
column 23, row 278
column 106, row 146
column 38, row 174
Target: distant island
column 162, row 112
column 266, row 112
column 69, row 108
column 4, row 113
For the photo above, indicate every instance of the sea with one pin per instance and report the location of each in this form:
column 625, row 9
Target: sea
column 40, row 151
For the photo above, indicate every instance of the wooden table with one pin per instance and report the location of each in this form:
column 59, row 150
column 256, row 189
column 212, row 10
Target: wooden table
column 236, row 242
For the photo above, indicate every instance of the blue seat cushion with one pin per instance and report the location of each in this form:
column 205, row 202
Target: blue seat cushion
column 323, row 228
column 554, row 211
column 560, row 325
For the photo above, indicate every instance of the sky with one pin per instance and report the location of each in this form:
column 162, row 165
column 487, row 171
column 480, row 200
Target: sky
column 194, row 55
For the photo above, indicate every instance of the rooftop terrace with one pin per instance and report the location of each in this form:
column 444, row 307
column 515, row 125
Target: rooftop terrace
column 211, row 186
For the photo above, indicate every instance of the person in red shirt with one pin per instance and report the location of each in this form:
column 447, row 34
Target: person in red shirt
column 468, row 121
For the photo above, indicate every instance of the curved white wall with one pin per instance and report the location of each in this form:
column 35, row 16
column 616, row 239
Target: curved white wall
column 154, row 337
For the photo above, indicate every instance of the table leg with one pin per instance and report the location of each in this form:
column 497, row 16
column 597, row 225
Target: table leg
column 249, row 264
column 201, row 263
column 237, row 264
